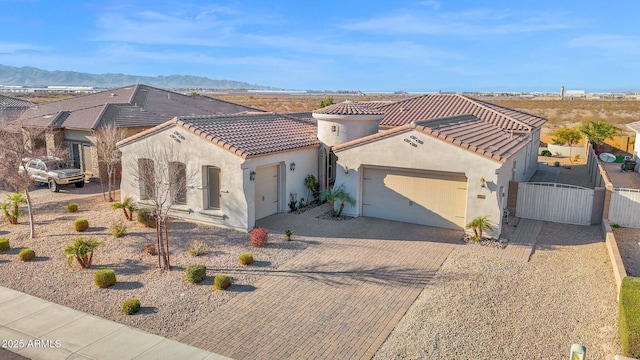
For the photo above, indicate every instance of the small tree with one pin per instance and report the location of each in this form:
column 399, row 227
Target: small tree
column 337, row 194
column 11, row 206
column 479, row 224
column 598, row 131
column 82, row 251
column 568, row 136
column 312, row 185
column 326, row 102
column 105, row 140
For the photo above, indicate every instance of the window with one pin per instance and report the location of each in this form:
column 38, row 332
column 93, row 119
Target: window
column 146, row 179
column 213, row 184
column 331, row 167
column 178, row 182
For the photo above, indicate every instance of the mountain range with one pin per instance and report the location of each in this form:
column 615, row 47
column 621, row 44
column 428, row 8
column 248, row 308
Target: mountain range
column 34, row 77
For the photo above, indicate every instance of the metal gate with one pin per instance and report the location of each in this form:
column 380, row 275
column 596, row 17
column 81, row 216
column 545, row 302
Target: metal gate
column 555, row 202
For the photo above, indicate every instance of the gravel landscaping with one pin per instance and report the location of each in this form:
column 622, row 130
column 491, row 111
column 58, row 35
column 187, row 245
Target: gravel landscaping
column 169, row 303
column 480, row 307
column 628, row 241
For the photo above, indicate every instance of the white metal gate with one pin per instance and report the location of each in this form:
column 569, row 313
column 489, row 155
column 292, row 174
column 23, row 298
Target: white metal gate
column 624, row 208
column 555, row 202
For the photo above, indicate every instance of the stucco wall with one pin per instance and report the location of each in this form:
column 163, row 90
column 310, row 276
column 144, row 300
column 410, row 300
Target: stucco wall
column 338, row 129
column 433, row 154
column 237, row 191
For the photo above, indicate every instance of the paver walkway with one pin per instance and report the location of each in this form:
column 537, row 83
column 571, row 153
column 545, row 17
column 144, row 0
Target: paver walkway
column 37, row 329
column 338, row 300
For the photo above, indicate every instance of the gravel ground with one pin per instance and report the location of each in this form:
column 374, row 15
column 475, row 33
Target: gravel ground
column 628, row 241
column 170, row 304
column 487, row 308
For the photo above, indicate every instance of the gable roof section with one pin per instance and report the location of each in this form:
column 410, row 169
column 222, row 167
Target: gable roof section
column 245, row 135
column 9, row 102
column 466, row 131
column 434, row 106
column 348, row 108
column 129, row 106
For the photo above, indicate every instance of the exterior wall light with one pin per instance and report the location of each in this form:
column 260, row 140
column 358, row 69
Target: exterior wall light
column 346, row 170
column 252, row 175
column 292, row 166
column 483, row 183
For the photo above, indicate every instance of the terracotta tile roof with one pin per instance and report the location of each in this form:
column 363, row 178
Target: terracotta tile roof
column 434, row 106
column 635, row 126
column 348, row 108
column 246, row 135
column 129, row 106
column 466, row 131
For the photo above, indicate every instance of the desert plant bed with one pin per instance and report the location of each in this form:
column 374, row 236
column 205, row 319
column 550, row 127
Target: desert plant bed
column 170, row 304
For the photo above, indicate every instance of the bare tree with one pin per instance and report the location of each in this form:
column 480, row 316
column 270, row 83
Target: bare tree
column 104, row 140
column 160, row 173
column 20, row 143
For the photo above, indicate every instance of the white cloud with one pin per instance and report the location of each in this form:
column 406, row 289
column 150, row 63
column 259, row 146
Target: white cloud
column 13, row 47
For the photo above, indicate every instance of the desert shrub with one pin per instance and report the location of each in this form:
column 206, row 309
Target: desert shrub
column 246, row 258
column 104, row 278
column 259, row 237
column 26, row 254
column 81, row 224
column 146, row 217
column 546, row 153
column 4, row 244
column 130, row 306
column 196, row 273
column 556, row 164
column 629, row 316
column 287, row 234
column 118, row 229
column 221, row 281
column 81, row 250
column 72, row 207
column 197, row 248
column 150, row 249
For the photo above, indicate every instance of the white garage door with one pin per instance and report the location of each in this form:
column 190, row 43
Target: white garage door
column 266, row 183
column 428, row 198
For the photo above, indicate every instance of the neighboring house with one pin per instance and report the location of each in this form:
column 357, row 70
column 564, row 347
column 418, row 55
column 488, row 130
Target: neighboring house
column 246, row 166
column 441, row 161
column 134, row 108
column 12, row 108
column 635, row 126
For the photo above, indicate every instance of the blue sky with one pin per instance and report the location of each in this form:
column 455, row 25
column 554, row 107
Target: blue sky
column 337, row 45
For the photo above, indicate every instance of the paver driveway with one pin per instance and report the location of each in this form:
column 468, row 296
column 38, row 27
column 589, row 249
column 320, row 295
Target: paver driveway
column 338, row 299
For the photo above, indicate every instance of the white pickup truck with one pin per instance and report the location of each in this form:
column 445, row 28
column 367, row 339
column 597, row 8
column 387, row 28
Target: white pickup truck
column 54, row 172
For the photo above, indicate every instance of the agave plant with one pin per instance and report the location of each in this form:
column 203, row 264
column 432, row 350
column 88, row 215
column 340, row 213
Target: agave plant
column 127, row 207
column 11, row 206
column 82, row 251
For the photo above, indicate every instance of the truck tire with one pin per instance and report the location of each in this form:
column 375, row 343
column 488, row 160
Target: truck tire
column 53, row 186
column 80, row 184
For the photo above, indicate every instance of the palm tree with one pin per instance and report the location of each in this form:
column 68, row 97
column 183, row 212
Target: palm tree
column 127, row 207
column 82, row 251
column 337, row 193
column 11, row 206
column 479, row 224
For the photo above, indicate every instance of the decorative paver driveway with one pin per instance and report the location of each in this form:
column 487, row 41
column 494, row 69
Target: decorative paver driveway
column 338, row 299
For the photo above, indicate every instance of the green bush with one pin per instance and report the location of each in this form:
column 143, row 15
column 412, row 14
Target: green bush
column 246, row 258
column 197, row 248
column 4, row 244
column 118, row 229
column 26, row 254
column 629, row 316
column 546, row 153
column 81, row 225
column 131, row 306
column 196, row 273
column 221, row 281
column 72, row 207
column 104, row 278
column 146, row 217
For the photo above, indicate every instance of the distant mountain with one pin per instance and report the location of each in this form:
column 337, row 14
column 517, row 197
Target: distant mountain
column 30, row 76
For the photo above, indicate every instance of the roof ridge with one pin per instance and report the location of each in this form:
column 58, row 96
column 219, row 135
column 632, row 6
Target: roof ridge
column 99, row 117
column 477, row 103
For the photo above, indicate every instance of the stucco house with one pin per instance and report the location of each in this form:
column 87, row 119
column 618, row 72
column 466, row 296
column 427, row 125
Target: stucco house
column 438, row 160
column 134, row 108
column 635, row 126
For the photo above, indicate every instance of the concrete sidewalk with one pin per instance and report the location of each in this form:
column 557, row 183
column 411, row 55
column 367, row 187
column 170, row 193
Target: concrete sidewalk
column 38, row 329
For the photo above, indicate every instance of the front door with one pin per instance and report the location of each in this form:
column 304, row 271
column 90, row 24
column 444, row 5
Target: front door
column 266, row 190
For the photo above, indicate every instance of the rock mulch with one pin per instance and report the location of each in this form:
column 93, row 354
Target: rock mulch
column 169, row 303
column 328, row 215
column 479, row 307
column 485, row 241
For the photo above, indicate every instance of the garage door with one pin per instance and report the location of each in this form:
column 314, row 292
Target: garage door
column 266, row 183
column 428, row 198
